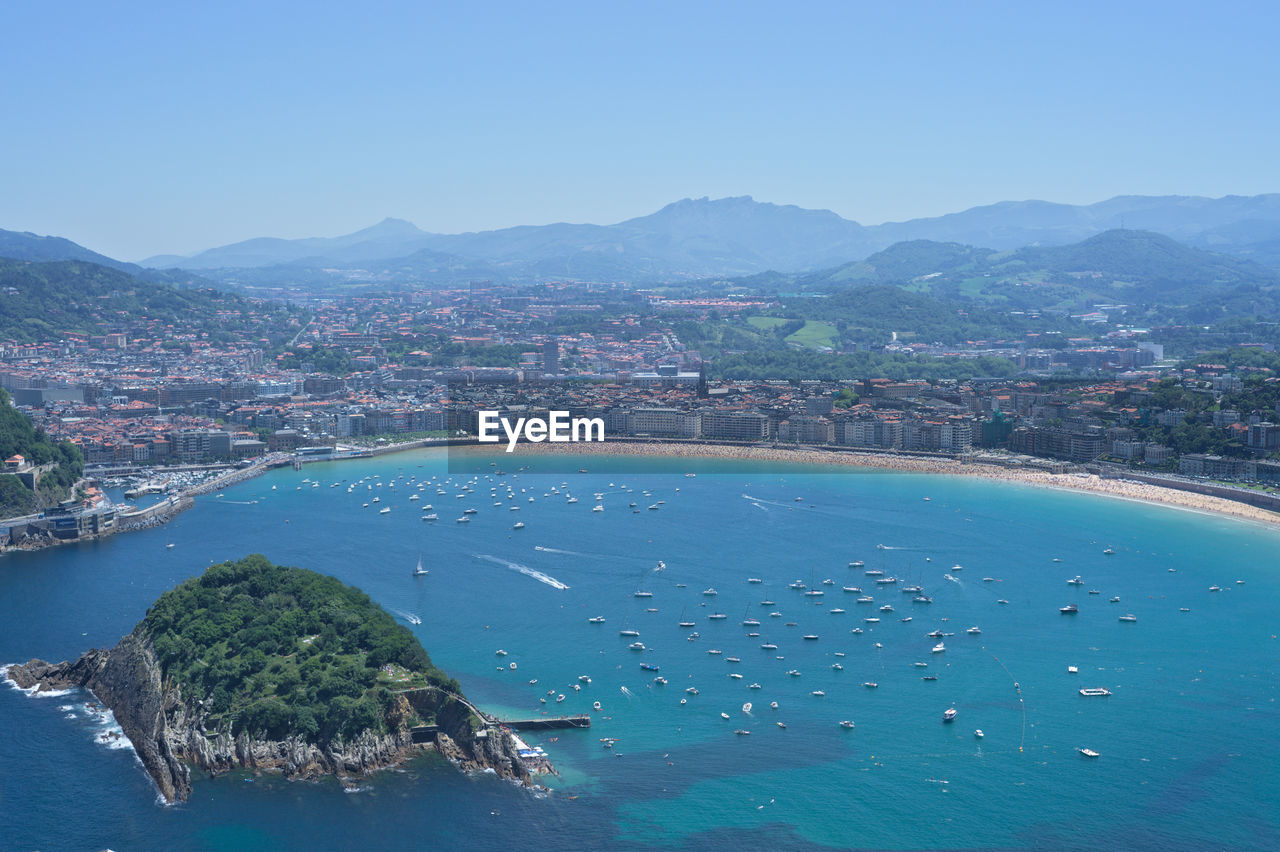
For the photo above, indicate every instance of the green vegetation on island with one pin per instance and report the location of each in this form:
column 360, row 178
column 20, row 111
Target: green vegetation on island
column 276, row 652
column 19, row 437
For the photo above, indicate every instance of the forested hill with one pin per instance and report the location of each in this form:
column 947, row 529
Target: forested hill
column 276, row 652
column 47, row 301
column 18, row 436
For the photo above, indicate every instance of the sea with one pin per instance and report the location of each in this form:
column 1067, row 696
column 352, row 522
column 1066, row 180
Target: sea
column 1186, row 744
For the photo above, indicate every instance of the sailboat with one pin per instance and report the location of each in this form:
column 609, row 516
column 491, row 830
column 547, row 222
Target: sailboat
column 420, row 571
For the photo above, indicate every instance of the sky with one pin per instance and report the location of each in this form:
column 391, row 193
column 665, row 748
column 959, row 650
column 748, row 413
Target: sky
column 138, row 129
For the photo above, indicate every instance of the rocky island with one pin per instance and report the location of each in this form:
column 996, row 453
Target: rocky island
column 255, row 665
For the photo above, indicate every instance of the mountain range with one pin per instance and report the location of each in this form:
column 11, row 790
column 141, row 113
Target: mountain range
column 699, row 238
column 687, row 240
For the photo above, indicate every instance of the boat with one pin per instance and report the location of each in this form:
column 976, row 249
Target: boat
column 1108, row 552
column 464, row 520
column 754, row 580
column 419, row 571
column 169, row 545
column 709, row 592
column 636, row 646
column 595, row 705
column 1088, row 752
column 973, row 631
column 1069, row 609
column 753, row 686
column 857, row 563
column 836, row 667
column 924, row 599
column 811, row 637
column 851, row 589
column 518, row 525
column 939, row 648
column 1115, row 599
column 1095, row 591
column 978, row 734
column 715, row 652
column 814, row 593
column 886, row 608
column 750, row 622
column 717, row 616
column 693, row 690
column 724, row 715
column 385, row 511
column 929, row 677
column 871, row 684
column 660, row 681
column 1215, row 588
column 649, row 667
column 740, row 732
column 836, row 611
column 949, row 715
column 1130, row 617
column 598, row 619
column 431, row 517
column 782, row 725
column 769, row 646
column 818, row 693
column 1095, row 691
column 846, row 724
column 1002, row 601
column 1075, row 581
column 641, row 594
column 626, row 631
column 746, row 708
column 595, row 508
column 1073, row 670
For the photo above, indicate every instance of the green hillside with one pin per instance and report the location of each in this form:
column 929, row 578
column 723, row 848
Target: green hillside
column 18, row 436
column 46, row 301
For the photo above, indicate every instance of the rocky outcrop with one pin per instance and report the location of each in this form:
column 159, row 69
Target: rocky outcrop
column 169, row 733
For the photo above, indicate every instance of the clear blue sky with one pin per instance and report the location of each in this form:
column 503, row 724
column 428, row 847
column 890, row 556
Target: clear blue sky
column 173, row 127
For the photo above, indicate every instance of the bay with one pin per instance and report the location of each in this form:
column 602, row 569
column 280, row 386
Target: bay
column 1187, row 752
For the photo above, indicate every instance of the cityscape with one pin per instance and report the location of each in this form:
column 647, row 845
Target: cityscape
column 599, row 427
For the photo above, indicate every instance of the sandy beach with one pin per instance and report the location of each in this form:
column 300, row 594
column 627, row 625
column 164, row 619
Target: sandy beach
column 1125, row 489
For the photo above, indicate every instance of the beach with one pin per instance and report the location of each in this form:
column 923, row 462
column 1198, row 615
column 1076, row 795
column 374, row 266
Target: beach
column 1118, row 487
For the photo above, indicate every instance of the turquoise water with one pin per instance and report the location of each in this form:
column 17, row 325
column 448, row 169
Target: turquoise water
column 1187, row 737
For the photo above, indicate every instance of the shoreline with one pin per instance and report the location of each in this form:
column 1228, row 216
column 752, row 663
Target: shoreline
column 1117, row 487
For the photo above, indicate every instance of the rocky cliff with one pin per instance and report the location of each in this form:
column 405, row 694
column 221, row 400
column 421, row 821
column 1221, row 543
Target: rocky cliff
column 169, row 733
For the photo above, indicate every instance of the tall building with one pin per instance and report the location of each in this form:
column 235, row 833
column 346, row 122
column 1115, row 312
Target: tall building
column 551, row 356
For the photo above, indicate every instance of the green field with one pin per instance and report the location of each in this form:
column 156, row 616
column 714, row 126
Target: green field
column 814, row 335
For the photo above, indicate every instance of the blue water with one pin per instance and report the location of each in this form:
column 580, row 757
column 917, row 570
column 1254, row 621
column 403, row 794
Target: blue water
column 1187, row 737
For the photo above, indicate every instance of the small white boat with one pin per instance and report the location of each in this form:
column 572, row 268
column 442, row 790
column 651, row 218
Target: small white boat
column 847, row 725
column 939, row 648
column 1095, row 691
column 518, row 525
column 598, row 619
column 419, row 571
column 949, row 714
column 978, row 734
column 1088, row 752
column 1130, row 617
column 385, row 511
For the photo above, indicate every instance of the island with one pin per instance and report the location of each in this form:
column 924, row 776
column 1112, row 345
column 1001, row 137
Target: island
column 256, row 665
